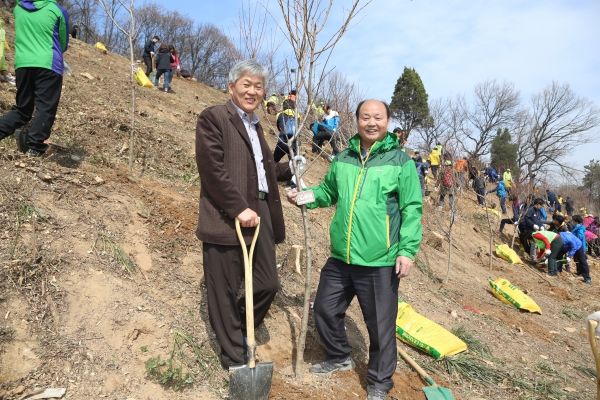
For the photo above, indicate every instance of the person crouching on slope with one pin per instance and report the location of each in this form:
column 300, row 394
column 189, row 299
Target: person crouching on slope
column 551, row 244
column 573, row 247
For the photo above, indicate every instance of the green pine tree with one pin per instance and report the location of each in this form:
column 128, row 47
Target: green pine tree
column 504, row 152
column 591, row 183
column 409, row 102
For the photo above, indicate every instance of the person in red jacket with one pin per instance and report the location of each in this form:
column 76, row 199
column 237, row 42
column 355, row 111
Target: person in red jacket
column 175, row 65
column 550, row 244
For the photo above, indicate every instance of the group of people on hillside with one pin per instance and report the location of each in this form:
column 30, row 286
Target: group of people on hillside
column 374, row 234
column 166, row 62
column 323, row 129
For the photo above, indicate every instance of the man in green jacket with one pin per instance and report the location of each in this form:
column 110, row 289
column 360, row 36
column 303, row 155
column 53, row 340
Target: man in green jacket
column 375, row 235
column 41, row 39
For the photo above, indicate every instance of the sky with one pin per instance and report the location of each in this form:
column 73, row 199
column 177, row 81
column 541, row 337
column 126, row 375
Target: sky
column 455, row 44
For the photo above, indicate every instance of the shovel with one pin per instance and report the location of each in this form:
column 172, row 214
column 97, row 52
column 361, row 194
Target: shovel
column 433, row 392
column 592, row 322
column 251, row 381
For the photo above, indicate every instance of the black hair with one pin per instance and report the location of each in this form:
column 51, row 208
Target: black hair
column 387, row 108
column 157, row 38
column 171, row 47
column 578, row 218
column 558, row 218
column 397, row 130
column 293, row 92
column 538, row 201
column 289, row 104
column 311, row 126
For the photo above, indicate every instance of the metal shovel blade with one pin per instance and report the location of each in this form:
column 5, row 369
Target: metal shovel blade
column 22, row 138
column 247, row 383
column 438, row 393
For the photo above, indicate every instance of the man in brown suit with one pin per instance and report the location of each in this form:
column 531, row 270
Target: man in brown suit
column 238, row 179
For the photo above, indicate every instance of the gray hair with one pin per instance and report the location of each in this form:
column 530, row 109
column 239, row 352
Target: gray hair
column 251, row 67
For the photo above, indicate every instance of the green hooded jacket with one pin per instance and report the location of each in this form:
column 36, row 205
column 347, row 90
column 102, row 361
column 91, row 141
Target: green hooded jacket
column 379, row 204
column 41, row 34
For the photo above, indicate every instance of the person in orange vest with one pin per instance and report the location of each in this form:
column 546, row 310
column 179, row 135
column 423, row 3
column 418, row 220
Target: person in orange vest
column 462, row 168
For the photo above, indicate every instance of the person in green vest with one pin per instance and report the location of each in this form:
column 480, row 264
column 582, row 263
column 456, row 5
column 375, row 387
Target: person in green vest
column 375, row 234
column 41, row 38
column 551, row 245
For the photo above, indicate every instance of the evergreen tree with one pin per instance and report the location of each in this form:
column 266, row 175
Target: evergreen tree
column 504, row 152
column 591, row 183
column 409, row 102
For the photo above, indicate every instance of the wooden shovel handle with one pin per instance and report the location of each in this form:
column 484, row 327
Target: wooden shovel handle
column 592, row 325
column 248, row 289
column 416, row 366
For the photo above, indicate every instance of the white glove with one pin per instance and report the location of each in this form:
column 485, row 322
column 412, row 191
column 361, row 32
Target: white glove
column 302, row 185
column 152, row 53
column 302, row 164
column 568, row 260
column 546, row 227
column 535, row 227
column 547, row 252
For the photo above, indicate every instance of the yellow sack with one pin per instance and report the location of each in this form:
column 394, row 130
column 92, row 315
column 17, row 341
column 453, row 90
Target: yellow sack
column 100, row 47
column 6, row 46
column 425, row 335
column 505, row 252
column 142, row 79
column 510, row 294
column 492, row 211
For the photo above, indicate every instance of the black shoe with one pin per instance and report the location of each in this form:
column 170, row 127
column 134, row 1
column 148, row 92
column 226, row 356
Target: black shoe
column 33, row 153
column 376, row 394
column 327, row 368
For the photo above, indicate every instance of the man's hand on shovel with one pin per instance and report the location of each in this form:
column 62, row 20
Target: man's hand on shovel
column 248, row 218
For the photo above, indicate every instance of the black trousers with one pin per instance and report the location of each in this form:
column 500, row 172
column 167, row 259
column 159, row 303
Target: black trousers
column 583, row 268
column 148, row 62
column 282, row 149
column 224, row 274
column 505, row 221
column 39, row 88
column 377, row 292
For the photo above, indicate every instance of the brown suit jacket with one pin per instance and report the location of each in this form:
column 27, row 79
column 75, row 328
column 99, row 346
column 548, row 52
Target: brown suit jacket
column 229, row 182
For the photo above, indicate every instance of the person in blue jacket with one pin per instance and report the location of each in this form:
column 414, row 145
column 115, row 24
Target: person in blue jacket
column 574, row 247
column 491, row 174
column 579, row 230
column 500, row 190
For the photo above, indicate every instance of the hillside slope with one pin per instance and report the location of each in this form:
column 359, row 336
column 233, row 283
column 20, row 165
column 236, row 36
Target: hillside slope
column 101, row 274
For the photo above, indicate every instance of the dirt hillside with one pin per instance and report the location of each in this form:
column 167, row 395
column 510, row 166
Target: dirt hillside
column 101, row 280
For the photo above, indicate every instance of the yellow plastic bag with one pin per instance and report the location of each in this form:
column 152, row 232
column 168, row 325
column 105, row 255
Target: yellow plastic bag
column 101, row 47
column 510, row 294
column 6, row 46
column 425, row 335
column 492, row 211
column 142, row 79
column 505, row 252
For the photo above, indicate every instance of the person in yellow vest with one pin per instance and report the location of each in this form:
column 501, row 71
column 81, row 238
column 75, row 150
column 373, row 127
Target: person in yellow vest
column 559, row 205
column 507, row 181
column 435, row 159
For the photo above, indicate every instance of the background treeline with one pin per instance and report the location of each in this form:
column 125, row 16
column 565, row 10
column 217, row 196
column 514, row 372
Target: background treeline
column 204, row 49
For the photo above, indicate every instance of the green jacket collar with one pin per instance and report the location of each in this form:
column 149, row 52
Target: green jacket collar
column 389, row 142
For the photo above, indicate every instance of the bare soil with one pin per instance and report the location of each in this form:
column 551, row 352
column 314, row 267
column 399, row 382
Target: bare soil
column 73, row 316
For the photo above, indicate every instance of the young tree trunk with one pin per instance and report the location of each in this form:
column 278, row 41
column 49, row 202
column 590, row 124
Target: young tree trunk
column 307, row 289
column 449, row 255
column 132, row 131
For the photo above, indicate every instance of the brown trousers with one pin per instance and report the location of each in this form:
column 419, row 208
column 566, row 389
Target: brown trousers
column 224, row 274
